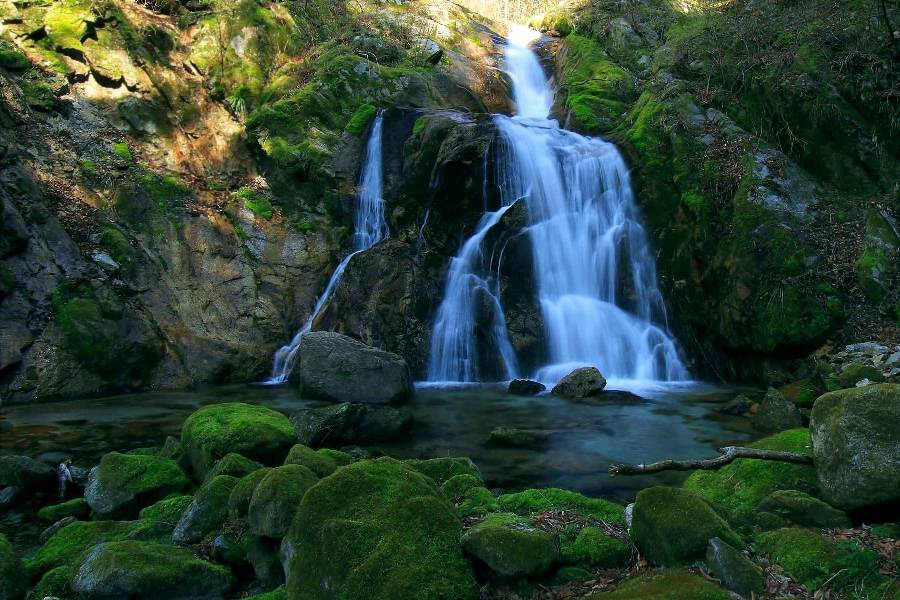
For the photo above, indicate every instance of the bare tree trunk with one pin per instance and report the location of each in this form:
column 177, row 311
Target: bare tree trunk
column 729, row 454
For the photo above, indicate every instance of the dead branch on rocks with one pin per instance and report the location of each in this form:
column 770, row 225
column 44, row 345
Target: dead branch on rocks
column 729, row 454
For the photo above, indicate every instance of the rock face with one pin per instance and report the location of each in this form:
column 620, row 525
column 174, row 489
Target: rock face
column 131, row 569
column 122, row 484
column 349, row 423
column 378, row 530
column 207, row 512
column 580, row 383
column 672, row 526
column 856, row 445
column 776, row 413
column 511, row 546
column 737, row 572
column 255, row 432
column 339, row 368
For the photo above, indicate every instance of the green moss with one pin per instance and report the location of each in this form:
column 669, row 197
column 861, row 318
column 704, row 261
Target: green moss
column 12, row 584
column 276, row 498
column 242, row 494
column 11, row 59
column 799, row 508
column 67, row 24
column 322, row 465
column 456, row 487
column 855, row 372
column 361, row 118
column 54, row 584
column 277, row 594
column 71, row 541
column 591, row 547
column 38, row 95
column 166, row 191
column 805, row 554
column 76, row 507
column 255, row 202
column 207, row 512
column 477, row 501
column 123, row 151
column 256, row 432
column 233, row 464
column 665, row 585
column 115, row 242
column 88, row 168
column 511, row 546
column 124, row 483
column 442, row 469
column 87, row 317
column 534, row 501
column 419, row 125
column 596, row 89
column 739, row 487
column 168, row 510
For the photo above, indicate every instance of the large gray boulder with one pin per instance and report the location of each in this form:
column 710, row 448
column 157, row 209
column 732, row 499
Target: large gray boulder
column 580, row 383
column 856, row 445
column 347, row 424
column 336, row 367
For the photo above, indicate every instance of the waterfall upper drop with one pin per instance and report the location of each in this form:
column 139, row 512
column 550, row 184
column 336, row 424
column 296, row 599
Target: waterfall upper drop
column 370, row 228
column 594, row 273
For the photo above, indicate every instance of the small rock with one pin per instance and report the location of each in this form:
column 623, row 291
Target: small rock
column 511, row 546
column 525, row 387
column 580, row 383
column 800, row 508
column 737, row 572
column 776, row 413
column 50, row 531
column 106, row 262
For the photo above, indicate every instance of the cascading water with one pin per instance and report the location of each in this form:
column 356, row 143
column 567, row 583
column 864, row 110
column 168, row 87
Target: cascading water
column 370, row 228
column 586, row 240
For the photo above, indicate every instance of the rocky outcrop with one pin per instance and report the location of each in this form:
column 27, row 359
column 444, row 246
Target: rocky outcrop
column 338, row 368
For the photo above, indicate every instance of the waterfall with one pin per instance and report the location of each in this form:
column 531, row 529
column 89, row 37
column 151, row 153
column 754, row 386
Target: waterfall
column 586, row 239
column 370, row 228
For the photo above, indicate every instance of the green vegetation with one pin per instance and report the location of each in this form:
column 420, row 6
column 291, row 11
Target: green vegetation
column 124, row 483
column 255, row 202
column 597, row 91
column 361, row 119
column 167, row 510
column 443, row 469
column 534, row 501
column 123, row 151
column 76, row 507
column 511, row 546
column 276, row 498
column 590, row 547
column 665, row 585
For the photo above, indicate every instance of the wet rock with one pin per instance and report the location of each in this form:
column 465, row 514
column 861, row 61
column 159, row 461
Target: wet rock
column 511, row 546
column 525, row 387
column 740, row 405
column 122, row 484
column 519, row 438
column 276, row 498
column 580, row 383
column 855, row 440
column 132, row 569
column 799, row 508
column 10, row 496
column 207, row 512
column 350, row 423
column 673, row 526
column 776, row 413
column 737, row 572
column 26, row 474
column 53, row 529
column 339, row 368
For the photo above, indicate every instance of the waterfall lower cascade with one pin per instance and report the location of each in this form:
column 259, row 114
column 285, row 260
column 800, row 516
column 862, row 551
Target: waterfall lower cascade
column 586, row 240
column 370, row 228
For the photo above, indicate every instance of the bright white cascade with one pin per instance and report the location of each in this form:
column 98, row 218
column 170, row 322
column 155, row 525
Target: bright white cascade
column 596, row 278
column 370, row 228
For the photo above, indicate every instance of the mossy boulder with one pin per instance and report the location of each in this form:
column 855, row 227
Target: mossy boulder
column 799, row 508
column 533, row 501
column 132, row 569
column 737, row 572
column 738, row 488
column 380, row 530
column 67, row 545
column 856, row 444
column 511, row 546
column 12, row 584
column 233, row 464
column 255, row 432
column 168, row 510
column 591, row 547
column 76, row 507
column 207, row 512
column 276, row 498
column 457, row 486
column 442, row 470
column 54, row 583
column 665, row 585
column 672, row 526
column 477, row 501
column 122, row 484
column 805, row 554
column 320, row 463
column 239, row 500
column 853, row 373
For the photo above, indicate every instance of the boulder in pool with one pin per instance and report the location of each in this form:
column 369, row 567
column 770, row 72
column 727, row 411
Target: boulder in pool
column 856, row 445
column 276, row 498
column 338, row 368
column 580, row 383
column 350, row 423
column 254, row 432
column 511, row 546
column 207, row 512
column 525, row 387
column 145, row 570
column 122, row 484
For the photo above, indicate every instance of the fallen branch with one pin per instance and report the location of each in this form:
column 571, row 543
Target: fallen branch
column 729, row 454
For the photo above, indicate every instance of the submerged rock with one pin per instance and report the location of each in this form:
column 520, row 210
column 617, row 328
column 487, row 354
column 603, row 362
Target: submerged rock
column 511, row 546
column 339, row 368
column 740, row 405
column 776, row 413
column 580, row 383
column 856, row 444
column 525, row 387
column 122, row 484
column 737, row 572
column 350, row 423
column 519, row 438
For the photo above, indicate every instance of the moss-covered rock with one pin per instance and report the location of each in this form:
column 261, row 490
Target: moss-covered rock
column 26, row 473
column 737, row 572
column 877, row 262
column 207, row 512
column 317, row 461
column 738, row 488
column 665, row 585
column 130, row 569
column 276, row 498
column 255, row 432
column 477, row 501
column 12, row 584
column 533, row 501
column 122, row 484
column 168, row 510
column 592, row 548
column 511, row 546
column 457, row 486
column 76, row 507
column 799, row 508
column 442, row 469
column 805, row 554
column 673, row 526
column 242, row 494
column 67, row 545
column 380, row 530
column 855, row 443
column 54, row 583
column 233, row 464
column 776, row 413
column 853, row 373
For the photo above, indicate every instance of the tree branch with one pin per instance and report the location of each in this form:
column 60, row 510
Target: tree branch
column 729, row 454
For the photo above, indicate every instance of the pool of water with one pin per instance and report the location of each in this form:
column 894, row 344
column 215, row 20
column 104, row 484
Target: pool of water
column 673, row 421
